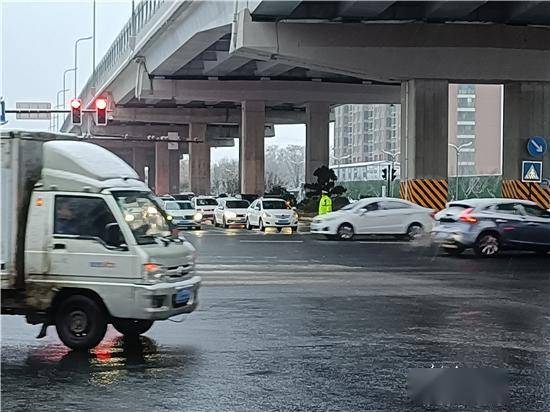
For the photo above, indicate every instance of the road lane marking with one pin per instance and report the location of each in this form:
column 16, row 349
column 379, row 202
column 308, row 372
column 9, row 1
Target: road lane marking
column 382, row 242
column 271, row 241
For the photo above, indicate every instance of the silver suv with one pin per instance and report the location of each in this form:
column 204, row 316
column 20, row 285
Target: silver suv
column 491, row 225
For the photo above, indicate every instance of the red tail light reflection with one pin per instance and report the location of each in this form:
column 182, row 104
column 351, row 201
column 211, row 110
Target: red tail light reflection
column 467, row 217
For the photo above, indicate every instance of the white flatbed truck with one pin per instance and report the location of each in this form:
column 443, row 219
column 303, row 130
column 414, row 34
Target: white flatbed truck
column 84, row 243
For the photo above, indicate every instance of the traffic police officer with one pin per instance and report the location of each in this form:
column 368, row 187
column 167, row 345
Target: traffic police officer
column 325, row 204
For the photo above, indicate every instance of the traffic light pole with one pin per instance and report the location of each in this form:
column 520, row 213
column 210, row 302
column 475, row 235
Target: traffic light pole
column 391, row 171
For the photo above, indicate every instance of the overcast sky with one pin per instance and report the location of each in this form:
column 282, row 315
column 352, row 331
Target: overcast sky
column 37, row 44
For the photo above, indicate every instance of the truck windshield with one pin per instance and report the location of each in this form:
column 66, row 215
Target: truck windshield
column 143, row 215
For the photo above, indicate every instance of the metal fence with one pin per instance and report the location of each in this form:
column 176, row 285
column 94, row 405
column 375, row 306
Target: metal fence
column 468, row 187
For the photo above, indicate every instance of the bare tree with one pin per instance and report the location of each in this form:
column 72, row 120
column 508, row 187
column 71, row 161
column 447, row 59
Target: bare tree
column 225, row 176
column 284, row 166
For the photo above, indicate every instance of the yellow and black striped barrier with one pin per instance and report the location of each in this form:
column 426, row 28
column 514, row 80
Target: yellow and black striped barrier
column 431, row 193
column 516, row 189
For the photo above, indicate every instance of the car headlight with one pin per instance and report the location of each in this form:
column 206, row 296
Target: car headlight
column 295, row 215
column 230, row 215
column 265, row 214
column 198, row 216
column 153, row 272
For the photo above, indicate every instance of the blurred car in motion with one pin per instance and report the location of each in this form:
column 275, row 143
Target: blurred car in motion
column 230, row 211
column 271, row 212
column 375, row 216
column 183, row 214
column 491, row 225
column 205, row 205
column 184, row 196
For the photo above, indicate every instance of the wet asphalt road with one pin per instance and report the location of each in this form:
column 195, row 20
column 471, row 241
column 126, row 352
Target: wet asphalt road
column 290, row 322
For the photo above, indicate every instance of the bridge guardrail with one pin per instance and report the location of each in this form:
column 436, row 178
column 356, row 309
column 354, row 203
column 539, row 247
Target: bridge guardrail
column 122, row 45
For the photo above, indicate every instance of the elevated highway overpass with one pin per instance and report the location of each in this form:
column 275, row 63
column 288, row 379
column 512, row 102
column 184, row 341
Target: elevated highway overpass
column 259, row 62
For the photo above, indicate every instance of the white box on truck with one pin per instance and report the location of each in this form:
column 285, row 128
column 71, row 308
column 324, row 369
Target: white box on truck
column 21, row 166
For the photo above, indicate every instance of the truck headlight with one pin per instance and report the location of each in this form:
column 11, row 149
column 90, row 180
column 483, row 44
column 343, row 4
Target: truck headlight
column 153, row 272
column 198, row 216
column 230, row 215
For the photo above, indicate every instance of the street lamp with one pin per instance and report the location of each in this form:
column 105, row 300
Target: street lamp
column 338, row 159
column 76, row 60
column 58, row 105
column 64, row 84
column 458, row 149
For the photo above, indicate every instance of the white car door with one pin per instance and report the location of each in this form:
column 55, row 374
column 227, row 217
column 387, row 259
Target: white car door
column 251, row 211
column 257, row 213
column 368, row 218
column 396, row 217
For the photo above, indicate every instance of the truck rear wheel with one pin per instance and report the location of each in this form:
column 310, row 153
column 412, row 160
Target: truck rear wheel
column 132, row 327
column 81, row 322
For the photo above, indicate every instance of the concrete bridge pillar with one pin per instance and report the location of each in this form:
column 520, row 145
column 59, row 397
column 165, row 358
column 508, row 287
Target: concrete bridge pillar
column 424, row 142
column 139, row 161
column 199, row 159
column 317, row 137
column 162, row 167
column 174, row 151
column 251, row 148
column 526, row 114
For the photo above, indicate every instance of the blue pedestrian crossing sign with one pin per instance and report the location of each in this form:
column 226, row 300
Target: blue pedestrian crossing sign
column 536, row 146
column 531, row 171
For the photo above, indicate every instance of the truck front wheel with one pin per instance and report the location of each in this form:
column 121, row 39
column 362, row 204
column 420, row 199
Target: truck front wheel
column 132, row 327
column 81, row 322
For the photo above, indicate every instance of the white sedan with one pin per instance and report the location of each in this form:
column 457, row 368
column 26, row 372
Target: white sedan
column 373, row 216
column 183, row 214
column 230, row 211
column 271, row 213
column 205, row 205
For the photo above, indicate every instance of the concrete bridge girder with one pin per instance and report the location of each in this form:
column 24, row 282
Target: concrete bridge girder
column 399, row 52
column 220, row 116
column 296, row 92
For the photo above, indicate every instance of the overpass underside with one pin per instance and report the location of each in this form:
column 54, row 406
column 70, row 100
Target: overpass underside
column 216, row 70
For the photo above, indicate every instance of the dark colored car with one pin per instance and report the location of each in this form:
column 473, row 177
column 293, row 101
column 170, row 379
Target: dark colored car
column 491, row 225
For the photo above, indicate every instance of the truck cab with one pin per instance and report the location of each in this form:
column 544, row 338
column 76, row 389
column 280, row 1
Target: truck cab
column 96, row 246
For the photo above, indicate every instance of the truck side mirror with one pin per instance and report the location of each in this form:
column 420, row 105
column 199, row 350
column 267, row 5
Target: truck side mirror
column 113, row 235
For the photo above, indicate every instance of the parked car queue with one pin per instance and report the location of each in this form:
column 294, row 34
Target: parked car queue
column 487, row 226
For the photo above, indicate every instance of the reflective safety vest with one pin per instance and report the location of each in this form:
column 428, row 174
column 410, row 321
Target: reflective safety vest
column 325, row 205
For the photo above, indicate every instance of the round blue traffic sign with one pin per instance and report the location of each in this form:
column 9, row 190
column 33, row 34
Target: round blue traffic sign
column 536, row 146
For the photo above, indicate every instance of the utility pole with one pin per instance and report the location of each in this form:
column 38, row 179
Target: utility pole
column 76, row 61
column 93, row 48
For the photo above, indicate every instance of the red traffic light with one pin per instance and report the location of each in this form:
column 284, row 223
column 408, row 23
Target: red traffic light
column 101, row 104
column 76, row 103
column 76, row 111
column 101, row 112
